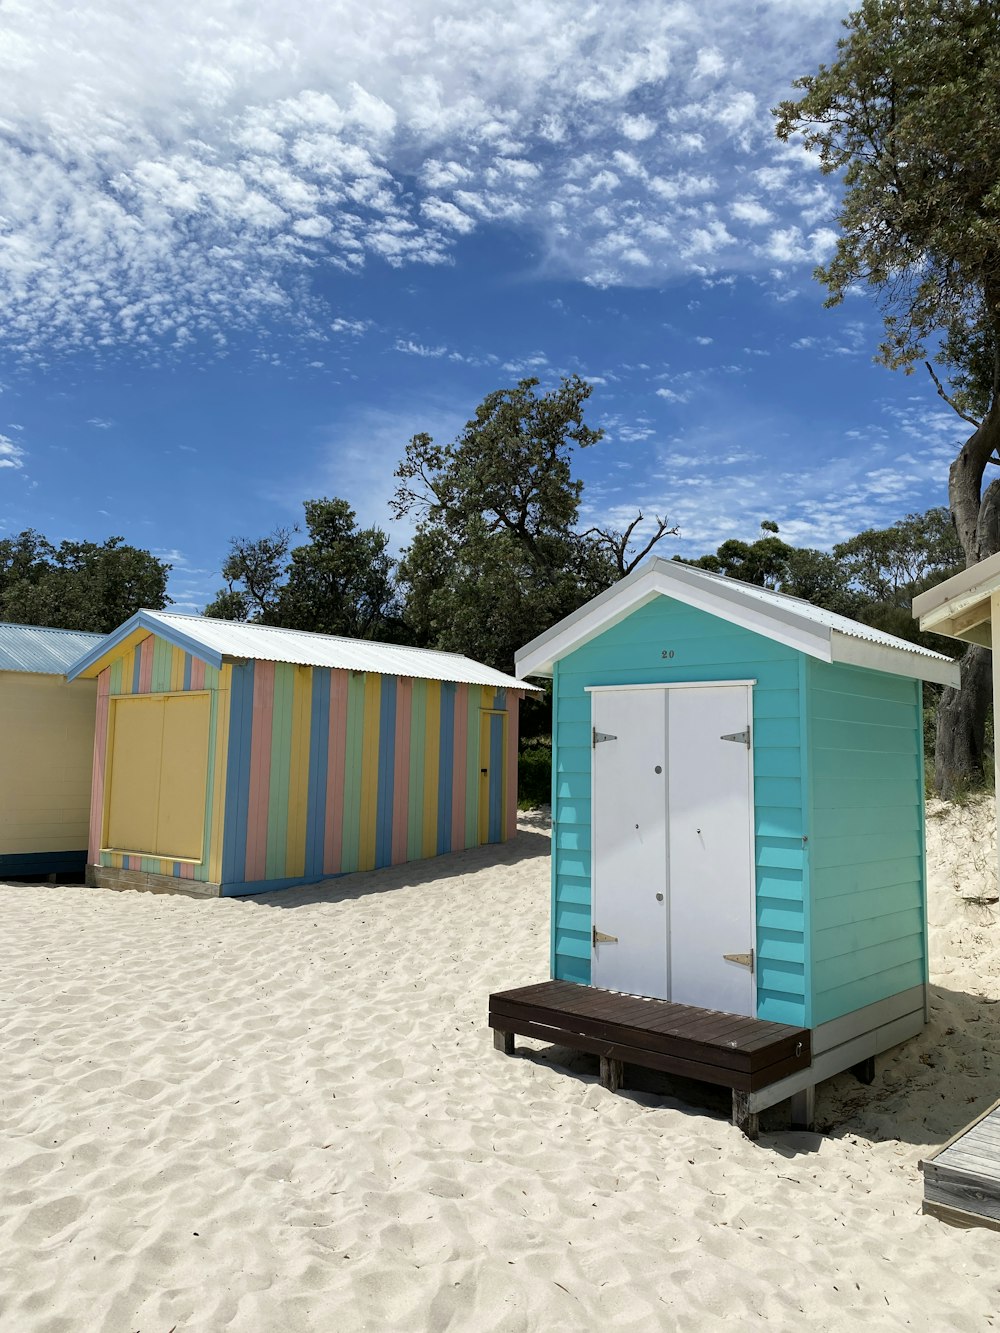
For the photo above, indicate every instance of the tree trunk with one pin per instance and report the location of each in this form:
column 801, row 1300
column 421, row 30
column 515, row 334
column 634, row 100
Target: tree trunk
column 961, row 726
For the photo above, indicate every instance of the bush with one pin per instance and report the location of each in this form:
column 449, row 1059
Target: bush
column 534, row 774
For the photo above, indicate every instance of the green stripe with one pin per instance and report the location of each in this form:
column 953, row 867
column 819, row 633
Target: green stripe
column 281, row 754
column 115, row 686
column 352, row 770
column 162, row 662
column 418, row 740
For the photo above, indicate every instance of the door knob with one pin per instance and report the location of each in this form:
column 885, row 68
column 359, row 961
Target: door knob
column 659, row 897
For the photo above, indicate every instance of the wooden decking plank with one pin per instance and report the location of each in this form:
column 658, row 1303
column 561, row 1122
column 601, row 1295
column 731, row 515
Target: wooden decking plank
column 967, row 1159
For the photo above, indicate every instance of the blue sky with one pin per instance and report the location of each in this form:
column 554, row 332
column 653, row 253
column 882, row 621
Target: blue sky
column 245, row 254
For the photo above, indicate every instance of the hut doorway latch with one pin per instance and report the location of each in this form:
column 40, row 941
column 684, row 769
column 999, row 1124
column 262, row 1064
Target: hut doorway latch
column 744, row 959
column 599, row 937
column 598, row 736
column 741, row 737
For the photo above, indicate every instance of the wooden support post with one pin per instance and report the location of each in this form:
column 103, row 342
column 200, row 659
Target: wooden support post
column 803, row 1106
column 743, row 1117
column 864, row 1071
column 503, row 1041
column 612, row 1074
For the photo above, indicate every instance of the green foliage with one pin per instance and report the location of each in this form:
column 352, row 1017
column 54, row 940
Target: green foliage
column 498, row 556
column 887, row 564
column 78, row 585
column 910, row 113
column 534, row 774
column 338, row 582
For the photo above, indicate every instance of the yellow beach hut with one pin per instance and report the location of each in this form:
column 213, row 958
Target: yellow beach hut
column 47, row 727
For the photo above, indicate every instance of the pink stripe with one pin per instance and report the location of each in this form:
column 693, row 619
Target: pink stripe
column 459, row 768
column 513, row 704
column 333, row 839
column 401, row 770
column 260, row 770
column 146, row 665
column 187, row 870
column 197, row 673
column 100, row 757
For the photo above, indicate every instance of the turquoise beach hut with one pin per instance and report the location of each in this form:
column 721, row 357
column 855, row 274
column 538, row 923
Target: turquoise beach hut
column 738, row 816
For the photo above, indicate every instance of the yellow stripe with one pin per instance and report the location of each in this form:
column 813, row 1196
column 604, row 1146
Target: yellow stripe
column 176, row 669
column 218, row 791
column 298, row 778
column 128, row 667
column 369, row 772
column 432, row 745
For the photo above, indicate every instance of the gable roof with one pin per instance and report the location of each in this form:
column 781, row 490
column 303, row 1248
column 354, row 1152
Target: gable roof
column 788, row 620
column 38, row 649
column 218, row 641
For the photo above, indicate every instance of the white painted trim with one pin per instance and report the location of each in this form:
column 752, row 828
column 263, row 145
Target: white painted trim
column 666, row 685
column 833, row 1060
column 859, row 1021
column 853, row 651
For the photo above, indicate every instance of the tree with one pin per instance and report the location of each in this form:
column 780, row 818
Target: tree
column 341, row 581
column 78, row 585
column 498, row 555
column 910, row 113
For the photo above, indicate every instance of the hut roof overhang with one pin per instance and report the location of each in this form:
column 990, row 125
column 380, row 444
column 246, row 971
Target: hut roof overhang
column 42, row 651
column 218, row 641
column 961, row 607
column 788, row 620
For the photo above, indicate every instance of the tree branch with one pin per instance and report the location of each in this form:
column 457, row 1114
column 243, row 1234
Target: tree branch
column 941, row 394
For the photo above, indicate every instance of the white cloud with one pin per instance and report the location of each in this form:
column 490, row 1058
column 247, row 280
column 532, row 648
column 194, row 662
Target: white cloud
column 11, row 454
column 356, row 327
column 412, row 348
column 100, row 423
column 171, row 177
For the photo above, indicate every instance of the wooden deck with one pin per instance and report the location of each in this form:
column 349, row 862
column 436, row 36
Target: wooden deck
column 730, row 1050
column 962, row 1179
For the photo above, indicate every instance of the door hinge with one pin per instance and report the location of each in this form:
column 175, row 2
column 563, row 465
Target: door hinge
column 599, row 937
column 741, row 737
column 744, row 959
column 598, row 736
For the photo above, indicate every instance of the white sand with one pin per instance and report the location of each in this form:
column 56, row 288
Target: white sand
column 285, row 1113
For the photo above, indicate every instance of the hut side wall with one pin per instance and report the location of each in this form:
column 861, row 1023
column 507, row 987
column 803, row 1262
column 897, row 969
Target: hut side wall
column 704, row 648
column 868, row 923
column 156, row 667
column 335, row 771
column 47, row 727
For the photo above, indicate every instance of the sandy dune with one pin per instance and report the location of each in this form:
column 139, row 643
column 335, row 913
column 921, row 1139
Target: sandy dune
column 285, row 1113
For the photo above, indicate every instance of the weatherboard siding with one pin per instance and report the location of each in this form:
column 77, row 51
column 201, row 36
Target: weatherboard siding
column 704, row 648
column 868, row 931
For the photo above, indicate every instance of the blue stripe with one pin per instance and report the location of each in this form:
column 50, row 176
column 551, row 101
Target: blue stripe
column 187, row 670
column 386, row 772
column 319, row 739
column 234, row 845
column 136, row 662
column 446, row 764
column 496, row 778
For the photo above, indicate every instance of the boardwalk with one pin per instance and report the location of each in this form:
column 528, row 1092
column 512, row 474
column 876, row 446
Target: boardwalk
column 962, row 1179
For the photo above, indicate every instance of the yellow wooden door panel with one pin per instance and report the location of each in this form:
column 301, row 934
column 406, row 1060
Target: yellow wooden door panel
column 135, row 774
column 183, row 777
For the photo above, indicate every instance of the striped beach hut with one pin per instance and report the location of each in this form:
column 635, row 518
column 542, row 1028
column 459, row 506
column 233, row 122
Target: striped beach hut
column 45, row 760
column 236, row 759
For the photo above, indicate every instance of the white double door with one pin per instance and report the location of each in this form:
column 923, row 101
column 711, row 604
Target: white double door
column 673, row 862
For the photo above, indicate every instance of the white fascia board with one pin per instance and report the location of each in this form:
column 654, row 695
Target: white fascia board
column 957, row 594
column 667, row 579
column 894, row 661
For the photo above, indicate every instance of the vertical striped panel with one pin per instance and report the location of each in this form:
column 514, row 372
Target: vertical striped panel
column 177, row 659
column 386, row 771
column 197, row 673
column 116, row 678
column 319, row 731
column 401, row 769
column 510, row 804
column 369, row 772
column 333, row 835
column 418, row 744
column 134, row 667
column 145, row 656
column 446, row 767
column 234, row 845
column 100, row 755
column 281, row 743
column 259, row 790
column 459, row 766
column 298, row 773
column 431, row 763
column 352, row 770
column 188, row 663
column 497, row 784
column 218, row 774
column 472, row 767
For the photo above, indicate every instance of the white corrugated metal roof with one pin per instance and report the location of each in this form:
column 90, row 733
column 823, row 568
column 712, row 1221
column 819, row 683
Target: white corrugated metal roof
column 216, row 640
column 42, row 650
column 790, row 620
